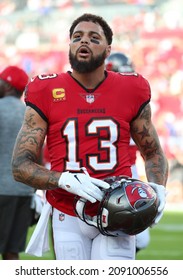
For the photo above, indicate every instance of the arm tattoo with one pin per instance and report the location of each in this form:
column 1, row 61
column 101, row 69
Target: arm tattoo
column 146, row 138
column 26, row 155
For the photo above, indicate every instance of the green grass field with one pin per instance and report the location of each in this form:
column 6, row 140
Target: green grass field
column 166, row 240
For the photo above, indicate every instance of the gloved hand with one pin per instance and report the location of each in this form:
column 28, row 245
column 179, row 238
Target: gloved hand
column 37, row 203
column 36, row 206
column 83, row 185
column 161, row 194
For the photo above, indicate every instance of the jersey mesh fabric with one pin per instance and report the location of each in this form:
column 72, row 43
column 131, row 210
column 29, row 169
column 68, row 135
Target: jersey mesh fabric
column 88, row 129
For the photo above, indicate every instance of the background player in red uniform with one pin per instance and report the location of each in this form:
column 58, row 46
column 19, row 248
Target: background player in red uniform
column 87, row 116
column 119, row 62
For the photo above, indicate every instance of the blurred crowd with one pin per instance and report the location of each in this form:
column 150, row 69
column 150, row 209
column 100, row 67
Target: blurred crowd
column 34, row 35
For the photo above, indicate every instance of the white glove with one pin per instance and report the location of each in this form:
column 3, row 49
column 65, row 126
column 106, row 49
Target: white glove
column 37, row 203
column 161, row 194
column 83, row 185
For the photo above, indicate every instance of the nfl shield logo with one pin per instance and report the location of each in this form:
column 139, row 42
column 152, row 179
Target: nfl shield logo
column 90, row 98
column 61, row 217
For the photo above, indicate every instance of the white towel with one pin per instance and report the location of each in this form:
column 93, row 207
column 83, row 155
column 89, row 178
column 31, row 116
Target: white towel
column 39, row 241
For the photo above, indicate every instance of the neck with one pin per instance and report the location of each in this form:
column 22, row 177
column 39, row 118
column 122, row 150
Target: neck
column 89, row 80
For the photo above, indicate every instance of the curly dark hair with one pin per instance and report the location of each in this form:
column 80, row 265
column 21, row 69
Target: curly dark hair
column 96, row 19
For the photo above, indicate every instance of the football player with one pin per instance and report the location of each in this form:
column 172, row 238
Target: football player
column 87, row 116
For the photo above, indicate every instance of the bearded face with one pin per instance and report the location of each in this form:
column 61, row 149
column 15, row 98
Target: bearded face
column 86, row 66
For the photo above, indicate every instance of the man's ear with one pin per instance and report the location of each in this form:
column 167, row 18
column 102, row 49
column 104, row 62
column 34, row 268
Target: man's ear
column 108, row 50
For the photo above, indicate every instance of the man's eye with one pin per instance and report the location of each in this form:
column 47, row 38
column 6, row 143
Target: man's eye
column 76, row 36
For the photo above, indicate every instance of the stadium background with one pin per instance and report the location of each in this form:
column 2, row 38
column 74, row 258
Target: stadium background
column 34, row 35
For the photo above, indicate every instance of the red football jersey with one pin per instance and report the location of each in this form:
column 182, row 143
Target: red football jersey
column 87, row 128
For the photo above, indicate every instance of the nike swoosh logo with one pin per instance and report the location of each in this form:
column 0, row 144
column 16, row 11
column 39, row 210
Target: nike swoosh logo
column 77, row 178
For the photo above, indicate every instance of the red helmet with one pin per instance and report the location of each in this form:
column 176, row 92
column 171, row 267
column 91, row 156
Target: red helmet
column 129, row 206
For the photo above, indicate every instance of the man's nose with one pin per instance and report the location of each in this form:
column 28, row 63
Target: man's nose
column 85, row 40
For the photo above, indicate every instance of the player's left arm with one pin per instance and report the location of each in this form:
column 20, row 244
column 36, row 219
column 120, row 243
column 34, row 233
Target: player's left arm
column 145, row 136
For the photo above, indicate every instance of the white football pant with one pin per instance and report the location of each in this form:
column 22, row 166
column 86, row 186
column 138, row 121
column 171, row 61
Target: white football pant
column 76, row 240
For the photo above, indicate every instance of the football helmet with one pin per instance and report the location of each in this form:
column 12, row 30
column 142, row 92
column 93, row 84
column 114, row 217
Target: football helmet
column 128, row 207
column 119, row 62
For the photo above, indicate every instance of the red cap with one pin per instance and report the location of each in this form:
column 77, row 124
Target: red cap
column 15, row 76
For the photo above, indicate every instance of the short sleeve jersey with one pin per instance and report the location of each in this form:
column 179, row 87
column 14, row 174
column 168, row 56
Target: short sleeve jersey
column 88, row 128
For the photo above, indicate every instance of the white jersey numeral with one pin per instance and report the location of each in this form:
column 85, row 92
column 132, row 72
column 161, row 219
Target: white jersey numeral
column 70, row 132
column 47, row 76
column 105, row 157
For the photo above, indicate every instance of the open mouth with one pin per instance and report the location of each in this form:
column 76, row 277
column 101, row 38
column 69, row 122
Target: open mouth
column 84, row 51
